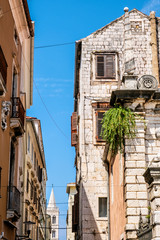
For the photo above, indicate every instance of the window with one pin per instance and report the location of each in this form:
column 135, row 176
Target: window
column 54, row 219
column 31, row 190
column 26, row 219
column 16, row 37
column 53, row 234
column 27, row 187
column 14, row 83
column 102, row 207
column 12, row 163
column 99, row 117
column 0, row 180
column 35, row 195
column 34, row 161
column 105, row 66
column 32, row 154
column 3, row 67
column 28, row 148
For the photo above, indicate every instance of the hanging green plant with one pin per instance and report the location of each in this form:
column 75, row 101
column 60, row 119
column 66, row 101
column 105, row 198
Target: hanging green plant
column 117, row 123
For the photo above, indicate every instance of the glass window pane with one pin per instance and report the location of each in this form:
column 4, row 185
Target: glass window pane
column 102, row 207
column 53, row 234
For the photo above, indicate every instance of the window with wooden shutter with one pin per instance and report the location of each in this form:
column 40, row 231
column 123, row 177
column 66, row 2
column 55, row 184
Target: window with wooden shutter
column 74, row 129
column 99, row 117
column 75, row 213
column 105, row 66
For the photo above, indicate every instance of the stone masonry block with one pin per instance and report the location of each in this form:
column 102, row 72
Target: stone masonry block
column 133, row 219
column 142, row 195
column 131, row 235
column 133, row 149
column 135, row 156
column 135, row 142
column 134, row 172
column 137, row 203
column 131, row 195
column 135, row 187
column 130, row 179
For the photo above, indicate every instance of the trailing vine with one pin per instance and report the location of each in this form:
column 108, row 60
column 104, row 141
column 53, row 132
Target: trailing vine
column 118, row 122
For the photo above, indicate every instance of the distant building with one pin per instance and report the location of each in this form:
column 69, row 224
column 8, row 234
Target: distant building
column 16, row 81
column 34, row 181
column 71, row 190
column 53, row 211
column 48, row 227
column 119, row 197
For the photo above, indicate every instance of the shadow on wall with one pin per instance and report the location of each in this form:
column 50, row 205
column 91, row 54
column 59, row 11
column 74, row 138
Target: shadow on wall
column 93, row 227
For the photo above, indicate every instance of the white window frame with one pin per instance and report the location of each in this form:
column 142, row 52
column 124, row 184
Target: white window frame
column 94, row 67
column 102, row 218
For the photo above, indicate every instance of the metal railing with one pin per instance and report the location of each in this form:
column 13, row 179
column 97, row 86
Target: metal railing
column 13, row 199
column 18, row 109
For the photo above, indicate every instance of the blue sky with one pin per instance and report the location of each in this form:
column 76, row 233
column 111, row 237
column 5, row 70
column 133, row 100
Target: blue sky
column 56, row 22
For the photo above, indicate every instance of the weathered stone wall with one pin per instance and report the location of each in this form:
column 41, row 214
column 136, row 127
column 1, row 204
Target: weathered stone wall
column 129, row 41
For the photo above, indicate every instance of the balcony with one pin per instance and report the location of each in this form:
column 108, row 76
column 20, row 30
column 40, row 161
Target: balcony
column 17, row 117
column 13, row 203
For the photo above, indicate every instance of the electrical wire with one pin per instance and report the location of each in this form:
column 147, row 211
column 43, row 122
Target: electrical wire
column 43, row 46
column 50, row 115
column 39, row 47
column 47, row 110
column 54, row 45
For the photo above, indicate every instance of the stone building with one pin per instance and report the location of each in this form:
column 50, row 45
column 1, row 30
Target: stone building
column 118, row 198
column 16, row 66
column 34, row 181
column 71, row 190
column 53, row 211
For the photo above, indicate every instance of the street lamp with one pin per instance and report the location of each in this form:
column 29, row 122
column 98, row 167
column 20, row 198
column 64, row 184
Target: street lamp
column 28, row 225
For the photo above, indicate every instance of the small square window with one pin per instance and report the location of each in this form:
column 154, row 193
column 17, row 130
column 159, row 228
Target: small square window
column 105, row 66
column 102, row 207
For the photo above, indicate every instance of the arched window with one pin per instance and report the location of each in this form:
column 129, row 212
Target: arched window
column 54, row 219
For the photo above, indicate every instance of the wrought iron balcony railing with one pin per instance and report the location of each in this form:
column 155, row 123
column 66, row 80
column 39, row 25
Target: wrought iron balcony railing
column 18, row 110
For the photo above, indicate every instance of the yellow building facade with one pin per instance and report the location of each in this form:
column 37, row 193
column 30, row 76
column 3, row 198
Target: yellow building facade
column 34, row 181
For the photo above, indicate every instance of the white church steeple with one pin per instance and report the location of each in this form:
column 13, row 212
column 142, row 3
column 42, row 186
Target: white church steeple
column 52, row 202
column 53, row 211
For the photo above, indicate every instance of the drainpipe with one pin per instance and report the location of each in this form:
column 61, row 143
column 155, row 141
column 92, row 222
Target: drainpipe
column 108, row 202
column 155, row 68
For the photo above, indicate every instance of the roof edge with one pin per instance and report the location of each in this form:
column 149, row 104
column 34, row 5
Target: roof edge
column 107, row 25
